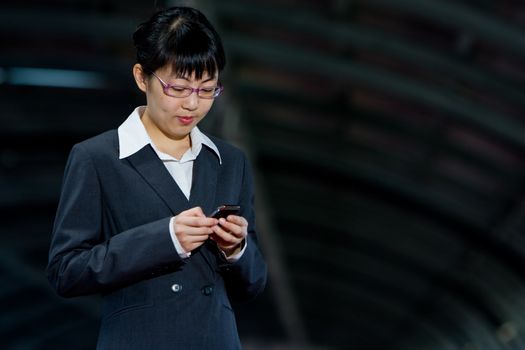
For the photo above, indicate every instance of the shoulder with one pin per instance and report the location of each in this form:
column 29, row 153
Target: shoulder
column 103, row 140
column 105, row 143
column 227, row 150
column 224, row 146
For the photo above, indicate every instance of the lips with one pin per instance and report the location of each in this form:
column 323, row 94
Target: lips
column 185, row 120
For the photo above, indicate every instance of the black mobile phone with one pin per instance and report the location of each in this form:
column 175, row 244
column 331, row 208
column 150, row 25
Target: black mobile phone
column 223, row 211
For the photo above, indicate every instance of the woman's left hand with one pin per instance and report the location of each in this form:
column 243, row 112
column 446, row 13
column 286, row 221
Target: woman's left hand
column 230, row 233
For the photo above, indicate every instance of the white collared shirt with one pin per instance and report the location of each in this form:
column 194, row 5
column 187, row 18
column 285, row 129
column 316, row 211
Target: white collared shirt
column 132, row 136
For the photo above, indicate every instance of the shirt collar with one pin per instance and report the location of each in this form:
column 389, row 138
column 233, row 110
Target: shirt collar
column 132, row 137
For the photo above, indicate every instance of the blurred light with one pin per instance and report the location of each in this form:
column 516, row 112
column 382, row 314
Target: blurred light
column 507, row 332
column 75, row 79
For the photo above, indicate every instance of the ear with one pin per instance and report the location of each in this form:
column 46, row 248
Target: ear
column 140, row 77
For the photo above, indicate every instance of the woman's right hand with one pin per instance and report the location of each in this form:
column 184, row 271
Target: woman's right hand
column 193, row 228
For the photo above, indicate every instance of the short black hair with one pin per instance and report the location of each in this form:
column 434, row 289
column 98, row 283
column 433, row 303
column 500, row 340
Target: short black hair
column 182, row 37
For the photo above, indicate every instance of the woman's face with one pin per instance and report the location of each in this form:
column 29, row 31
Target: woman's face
column 174, row 117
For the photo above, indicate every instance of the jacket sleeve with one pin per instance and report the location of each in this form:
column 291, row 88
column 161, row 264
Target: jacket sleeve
column 246, row 278
column 83, row 258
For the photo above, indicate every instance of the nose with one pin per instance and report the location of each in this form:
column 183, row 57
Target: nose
column 191, row 102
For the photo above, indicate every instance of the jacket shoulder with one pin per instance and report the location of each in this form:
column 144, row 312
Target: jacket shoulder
column 226, row 149
column 104, row 143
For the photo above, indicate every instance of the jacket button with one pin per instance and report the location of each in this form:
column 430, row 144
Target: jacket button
column 176, row 288
column 207, row 290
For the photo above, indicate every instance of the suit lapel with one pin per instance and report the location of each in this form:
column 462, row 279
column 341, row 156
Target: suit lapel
column 204, row 186
column 148, row 164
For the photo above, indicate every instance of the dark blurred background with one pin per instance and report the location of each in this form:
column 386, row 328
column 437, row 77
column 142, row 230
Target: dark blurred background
column 388, row 142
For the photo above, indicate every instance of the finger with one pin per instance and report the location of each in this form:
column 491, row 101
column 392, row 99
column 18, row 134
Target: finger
column 225, row 236
column 236, row 219
column 191, row 239
column 195, row 211
column 193, row 231
column 232, row 228
column 187, row 242
column 222, row 244
column 226, row 245
column 190, row 242
column 222, row 235
column 195, row 221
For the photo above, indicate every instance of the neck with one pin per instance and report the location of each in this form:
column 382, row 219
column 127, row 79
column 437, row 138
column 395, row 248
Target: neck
column 174, row 146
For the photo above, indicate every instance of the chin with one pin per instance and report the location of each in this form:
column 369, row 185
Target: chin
column 181, row 133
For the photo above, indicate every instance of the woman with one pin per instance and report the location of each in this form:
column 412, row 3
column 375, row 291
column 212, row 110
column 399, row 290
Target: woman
column 132, row 220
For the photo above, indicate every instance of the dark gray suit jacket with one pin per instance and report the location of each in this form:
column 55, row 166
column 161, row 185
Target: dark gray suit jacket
column 111, row 237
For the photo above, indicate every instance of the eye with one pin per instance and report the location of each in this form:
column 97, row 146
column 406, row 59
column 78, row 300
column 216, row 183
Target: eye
column 208, row 90
column 178, row 88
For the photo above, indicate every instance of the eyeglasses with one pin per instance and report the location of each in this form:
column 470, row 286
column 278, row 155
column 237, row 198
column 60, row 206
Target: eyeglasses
column 180, row 91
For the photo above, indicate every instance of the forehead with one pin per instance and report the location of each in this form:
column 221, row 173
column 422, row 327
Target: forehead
column 169, row 72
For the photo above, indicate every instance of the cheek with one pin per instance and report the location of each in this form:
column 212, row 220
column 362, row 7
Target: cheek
column 167, row 104
column 172, row 105
column 205, row 107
